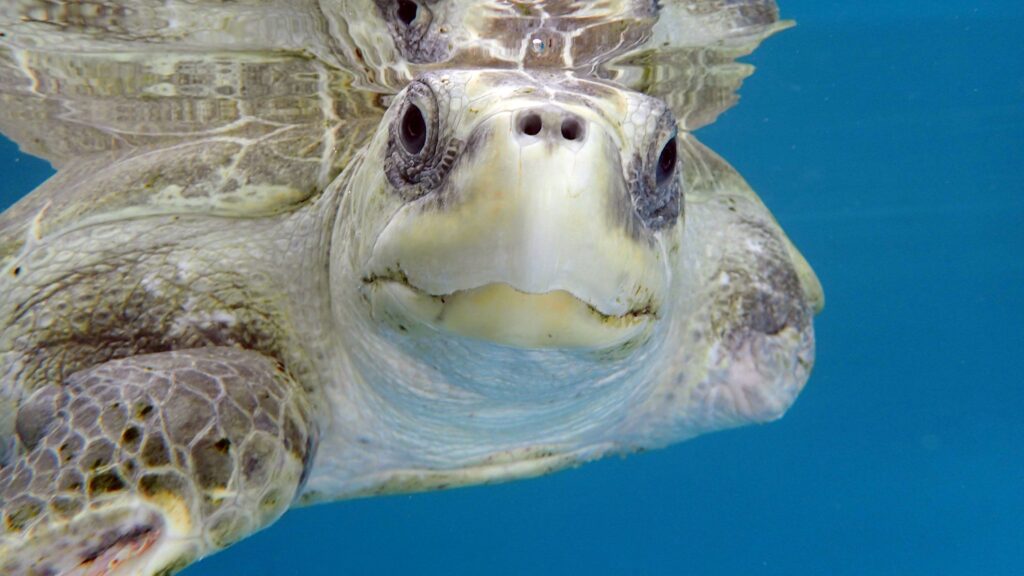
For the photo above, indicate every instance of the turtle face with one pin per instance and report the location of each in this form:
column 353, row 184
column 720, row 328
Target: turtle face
column 527, row 211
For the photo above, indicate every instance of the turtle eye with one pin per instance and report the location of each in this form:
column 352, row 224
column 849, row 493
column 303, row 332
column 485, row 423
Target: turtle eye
column 413, row 130
column 666, row 163
column 407, row 11
column 655, row 187
column 417, row 37
column 419, row 152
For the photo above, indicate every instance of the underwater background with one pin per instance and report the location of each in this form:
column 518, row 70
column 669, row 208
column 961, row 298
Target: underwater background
column 888, row 140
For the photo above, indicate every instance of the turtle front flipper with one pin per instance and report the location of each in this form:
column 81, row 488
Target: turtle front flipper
column 743, row 338
column 145, row 464
column 753, row 297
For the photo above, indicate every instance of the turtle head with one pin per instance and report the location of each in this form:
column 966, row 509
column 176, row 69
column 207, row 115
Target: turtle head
column 525, row 211
column 516, row 292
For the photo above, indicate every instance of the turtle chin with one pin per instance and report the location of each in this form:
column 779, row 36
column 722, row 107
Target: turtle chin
column 499, row 313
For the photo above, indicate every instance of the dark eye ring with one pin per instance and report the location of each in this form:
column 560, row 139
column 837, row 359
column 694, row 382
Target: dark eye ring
column 407, row 11
column 413, row 130
column 666, row 162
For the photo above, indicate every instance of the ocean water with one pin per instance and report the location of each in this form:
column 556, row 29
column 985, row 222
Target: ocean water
column 888, row 139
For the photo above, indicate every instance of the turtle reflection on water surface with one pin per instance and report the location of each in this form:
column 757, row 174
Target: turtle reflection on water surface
column 297, row 253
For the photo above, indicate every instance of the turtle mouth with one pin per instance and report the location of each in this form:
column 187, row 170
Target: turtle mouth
column 503, row 314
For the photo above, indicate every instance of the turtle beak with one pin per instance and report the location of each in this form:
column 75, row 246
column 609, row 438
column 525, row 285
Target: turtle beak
column 531, row 242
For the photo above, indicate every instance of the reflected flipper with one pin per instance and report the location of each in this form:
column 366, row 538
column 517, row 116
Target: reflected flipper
column 172, row 25
column 136, row 134
column 690, row 60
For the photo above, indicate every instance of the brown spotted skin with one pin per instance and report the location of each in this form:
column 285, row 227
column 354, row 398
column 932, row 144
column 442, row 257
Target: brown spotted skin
column 209, row 444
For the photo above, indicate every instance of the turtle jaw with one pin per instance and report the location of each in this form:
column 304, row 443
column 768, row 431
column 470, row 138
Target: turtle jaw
column 497, row 312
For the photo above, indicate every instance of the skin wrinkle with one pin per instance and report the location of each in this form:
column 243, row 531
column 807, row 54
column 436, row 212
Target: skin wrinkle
column 166, row 314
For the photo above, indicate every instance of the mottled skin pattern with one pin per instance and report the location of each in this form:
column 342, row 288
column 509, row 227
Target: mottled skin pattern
column 203, row 445
column 198, row 318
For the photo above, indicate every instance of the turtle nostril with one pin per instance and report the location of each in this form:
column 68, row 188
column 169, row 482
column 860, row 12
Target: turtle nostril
column 571, row 129
column 530, row 125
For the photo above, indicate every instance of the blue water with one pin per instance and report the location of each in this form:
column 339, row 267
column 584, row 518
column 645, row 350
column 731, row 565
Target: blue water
column 889, row 142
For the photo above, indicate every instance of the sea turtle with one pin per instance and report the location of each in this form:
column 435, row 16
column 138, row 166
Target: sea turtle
column 415, row 252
